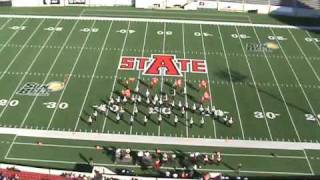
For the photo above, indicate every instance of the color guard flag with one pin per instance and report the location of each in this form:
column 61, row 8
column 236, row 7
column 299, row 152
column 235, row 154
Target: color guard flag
column 126, row 93
column 205, row 97
column 203, row 84
column 130, row 80
column 178, row 83
column 154, row 81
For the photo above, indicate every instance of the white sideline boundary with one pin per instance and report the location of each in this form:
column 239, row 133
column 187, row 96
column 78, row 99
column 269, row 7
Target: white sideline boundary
column 97, row 18
column 160, row 139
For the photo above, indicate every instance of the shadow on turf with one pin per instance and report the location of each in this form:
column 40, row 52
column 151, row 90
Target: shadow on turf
column 299, row 21
column 280, row 100
column 235, row 76
column 238, row 77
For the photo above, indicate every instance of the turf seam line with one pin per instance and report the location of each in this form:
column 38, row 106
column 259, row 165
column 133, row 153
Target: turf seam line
column 220, row 53
column 216, row 82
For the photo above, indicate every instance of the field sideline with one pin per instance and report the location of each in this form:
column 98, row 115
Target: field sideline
column 272, row 93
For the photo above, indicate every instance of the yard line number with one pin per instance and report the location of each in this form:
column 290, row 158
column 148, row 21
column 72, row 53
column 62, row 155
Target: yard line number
column 89, row 30
column 268, row 115
column 241, row 36
column 53, row 29
column 53, row 105
column 18, row 28
column 124, row 31
column 309, row 39
column 277, row 38
column 168, row 33
column 312, row 117
column 198, row 34
column 12, row 103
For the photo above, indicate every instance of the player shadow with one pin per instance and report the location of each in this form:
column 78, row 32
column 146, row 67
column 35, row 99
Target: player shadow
column 102, row 101
column 84, row 119
column 84, row 158
column 168, row 83
column 167, row 120
column 183, row 158
column 191, row 86
column 119, row 81
column 235, row 76
column 144, row 83
column 228, row 166
column 153, row 121
column 109, row 152
column 136, row 119
column 280, row 100
column 192, row 98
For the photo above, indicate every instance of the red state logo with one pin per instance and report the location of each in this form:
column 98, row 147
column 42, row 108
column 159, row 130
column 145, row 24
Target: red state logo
column 165, row 65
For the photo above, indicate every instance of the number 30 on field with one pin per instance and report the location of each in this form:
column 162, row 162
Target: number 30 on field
column 268, row 115
column 53, row 105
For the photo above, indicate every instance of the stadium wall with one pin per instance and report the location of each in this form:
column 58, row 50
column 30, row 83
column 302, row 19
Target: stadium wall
column 221, row 5
column 37, row 3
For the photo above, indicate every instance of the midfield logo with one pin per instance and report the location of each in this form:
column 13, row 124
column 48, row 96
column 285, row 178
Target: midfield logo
column 163, row 65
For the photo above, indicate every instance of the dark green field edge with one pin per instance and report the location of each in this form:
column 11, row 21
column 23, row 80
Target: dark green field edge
column 74, row 155
column 209, row 15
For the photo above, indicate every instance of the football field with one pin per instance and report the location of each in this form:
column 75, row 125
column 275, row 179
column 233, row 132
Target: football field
column 53, row 71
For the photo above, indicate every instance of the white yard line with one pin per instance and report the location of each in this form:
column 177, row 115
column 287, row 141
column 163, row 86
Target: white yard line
column 255, row 85
column 4, row 24
column 305, row 56
column 194, row 142
column 169, row 168
column 70, row 73
column 296, row 77
column 231, row 81
column 185, row 79
column 139, row 74
column 166, row 151
column 116, row 75
column 29, row 67
column 90, row 18
column 93, row 74
column 314, row 42
column 309, row 164
column 10, row 147
column 6, row 43
column 163, row 52
column 48, row 73
column 279, row 89
column 209, row 84
column 23, row 46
